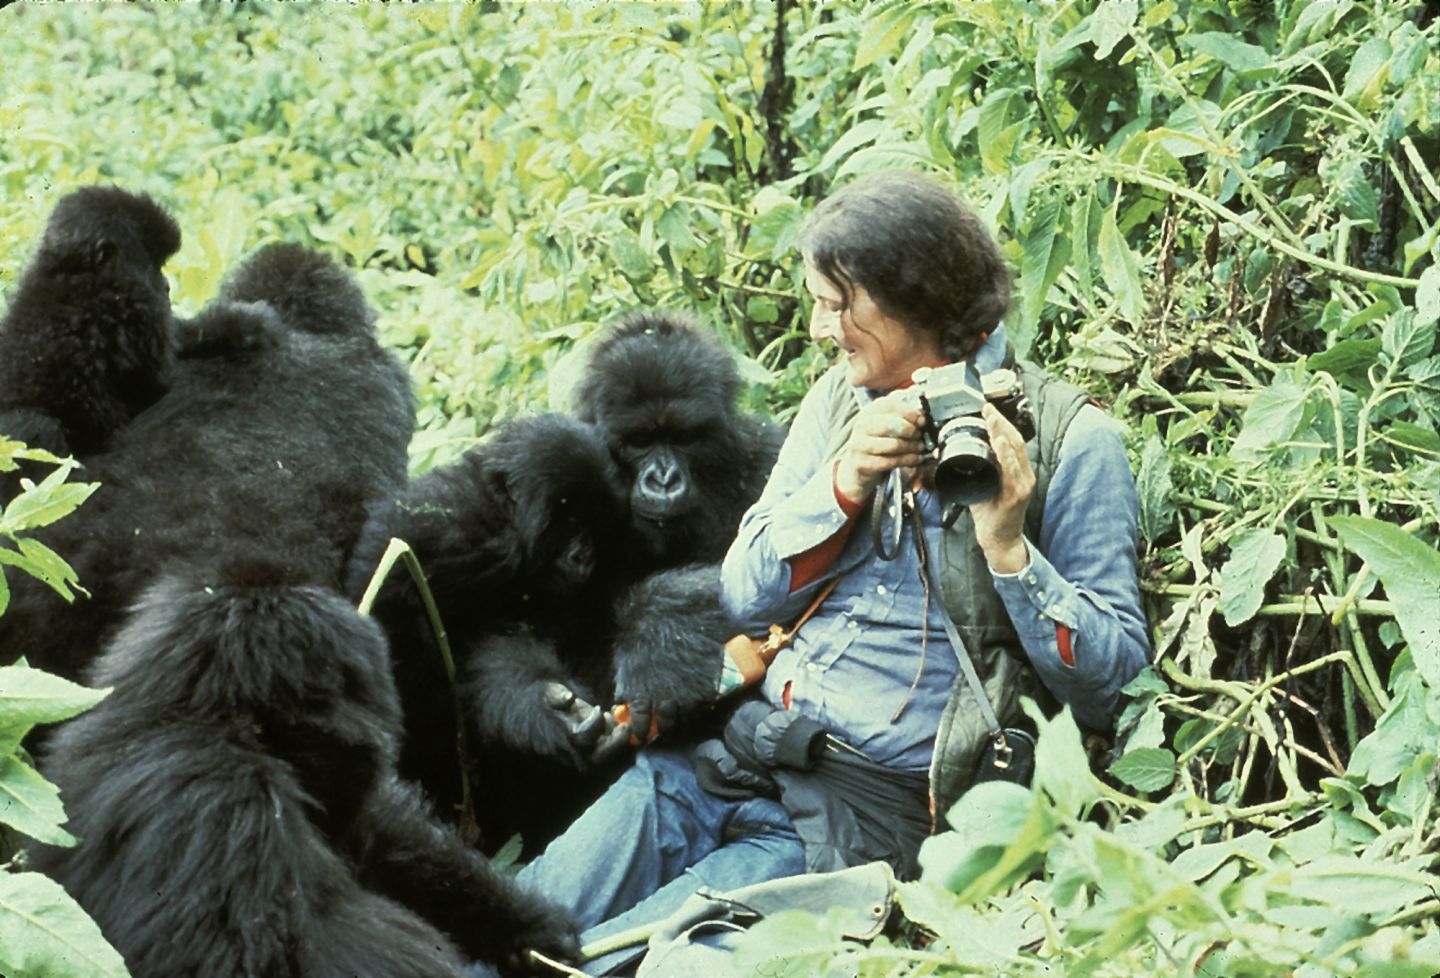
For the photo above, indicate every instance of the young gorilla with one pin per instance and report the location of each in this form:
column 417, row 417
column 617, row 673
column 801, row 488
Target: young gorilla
column 519, row 538
column 236, row 792
column 85, row 344
column 238, row 806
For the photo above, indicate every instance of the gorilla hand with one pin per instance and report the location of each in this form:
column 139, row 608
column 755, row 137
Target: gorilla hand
column 572, row 724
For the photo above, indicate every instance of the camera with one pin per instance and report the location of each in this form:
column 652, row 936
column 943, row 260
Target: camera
column 951, row 398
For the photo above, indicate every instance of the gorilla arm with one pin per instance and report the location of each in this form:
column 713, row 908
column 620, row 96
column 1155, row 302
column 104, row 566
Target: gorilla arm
column 519, row 695
column 669, row 646
column 428, row 868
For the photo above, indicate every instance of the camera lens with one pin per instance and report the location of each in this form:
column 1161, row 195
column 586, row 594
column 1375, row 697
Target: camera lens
column 966, row 472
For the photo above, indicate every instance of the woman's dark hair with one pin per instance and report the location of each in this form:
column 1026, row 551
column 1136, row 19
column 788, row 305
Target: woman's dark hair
column 923, row 256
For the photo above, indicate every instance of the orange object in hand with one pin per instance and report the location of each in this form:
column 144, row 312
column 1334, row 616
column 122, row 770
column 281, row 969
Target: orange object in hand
column 621, row 713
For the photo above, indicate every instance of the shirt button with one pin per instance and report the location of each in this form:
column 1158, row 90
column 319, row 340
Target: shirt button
column 1031, row 579
column 1040, row 595
column 853, row 625
column 880, row 589
column 813, row 666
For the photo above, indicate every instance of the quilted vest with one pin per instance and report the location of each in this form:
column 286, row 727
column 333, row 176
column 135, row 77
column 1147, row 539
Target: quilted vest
column 970, row 594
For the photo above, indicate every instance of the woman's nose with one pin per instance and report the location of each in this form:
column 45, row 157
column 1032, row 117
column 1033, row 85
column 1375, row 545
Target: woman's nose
column 824, row 323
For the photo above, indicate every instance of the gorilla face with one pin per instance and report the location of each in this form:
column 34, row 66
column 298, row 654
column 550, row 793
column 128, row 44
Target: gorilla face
column 566, row 497
column 663, row 392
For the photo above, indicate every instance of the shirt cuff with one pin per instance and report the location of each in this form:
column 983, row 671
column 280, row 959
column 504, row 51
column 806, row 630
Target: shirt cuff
column 1037, row 597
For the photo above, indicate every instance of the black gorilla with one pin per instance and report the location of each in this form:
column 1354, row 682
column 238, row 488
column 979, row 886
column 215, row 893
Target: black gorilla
column 86, row 339
column 236, row 792
column 664, row 394
column 538, row 674
column 283, row 420
column 520, row 537
column 238, row 805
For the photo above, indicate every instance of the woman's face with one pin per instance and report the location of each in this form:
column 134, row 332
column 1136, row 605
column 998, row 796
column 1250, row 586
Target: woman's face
column 880, row 353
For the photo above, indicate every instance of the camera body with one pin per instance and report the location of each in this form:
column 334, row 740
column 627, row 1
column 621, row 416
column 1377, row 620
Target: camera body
column 951, row 398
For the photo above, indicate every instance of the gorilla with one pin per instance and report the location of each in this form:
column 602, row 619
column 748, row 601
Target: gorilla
column 238, row 804
column 664, row 395
column 87, row 338
column 542, row 655
column 283, row 419
column 521, row 537
column 236, row 793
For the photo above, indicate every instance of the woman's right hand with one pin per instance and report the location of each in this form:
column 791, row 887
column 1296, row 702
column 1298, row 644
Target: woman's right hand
column 886, row 435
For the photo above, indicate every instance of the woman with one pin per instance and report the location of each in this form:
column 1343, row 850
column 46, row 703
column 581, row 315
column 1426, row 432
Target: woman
column 903, row 276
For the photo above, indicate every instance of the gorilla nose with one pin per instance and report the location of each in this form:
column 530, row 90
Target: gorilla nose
column 662, row 480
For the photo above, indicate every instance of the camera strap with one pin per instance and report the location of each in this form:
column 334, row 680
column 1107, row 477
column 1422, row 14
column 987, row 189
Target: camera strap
column 967, row 665
column 886, row 513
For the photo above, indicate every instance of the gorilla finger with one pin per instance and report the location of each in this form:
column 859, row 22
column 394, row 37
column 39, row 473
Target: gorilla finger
column 558, row 696
column 614, row 740
column 585, row 724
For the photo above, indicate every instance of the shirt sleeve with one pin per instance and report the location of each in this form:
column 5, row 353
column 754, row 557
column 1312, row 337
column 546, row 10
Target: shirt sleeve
column 796, row 512
column 1076, row 605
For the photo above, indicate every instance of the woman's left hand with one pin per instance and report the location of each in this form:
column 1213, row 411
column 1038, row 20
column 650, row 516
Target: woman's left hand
column 1000, row 521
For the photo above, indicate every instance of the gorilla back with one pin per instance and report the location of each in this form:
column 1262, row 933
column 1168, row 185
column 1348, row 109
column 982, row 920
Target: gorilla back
column 284, row 419
column 221, row 791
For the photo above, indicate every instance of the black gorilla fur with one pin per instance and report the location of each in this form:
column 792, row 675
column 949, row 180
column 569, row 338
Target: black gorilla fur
column 236, row 793
column 521, row 531
column 284, row 418
column 645, row 628
column 239, row 810
column 664, row 393
column 86, row 340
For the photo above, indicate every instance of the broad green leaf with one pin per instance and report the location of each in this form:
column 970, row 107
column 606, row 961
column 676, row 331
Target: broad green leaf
column 1110, row 24
column 863, row 132
column 45, row 934
column 1254, row 557
column 1271, row 418
column 30, row 804
column 994, row 131
column 1414, row 437
column 1062, row 768
column 48, row 566
column 1001, row 834
column 1038, row 269
column 1407, row 729
column 1363, row 886
column 882, row 34
column 30, row 696
column 1122, row 274
column 1355, row 195
column 1346, row 356
column 47, row 502
column 1145, row 768
column 1427, row 298
column 1410, row 571
column 1404, row 341
column 630, row 256
column 1237, row 55
column 1157, row 508
column 1366, row 66
column 1425, row 395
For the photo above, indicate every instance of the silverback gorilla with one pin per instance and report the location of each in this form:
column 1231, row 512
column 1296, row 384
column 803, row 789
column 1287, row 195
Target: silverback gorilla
column 236, row 793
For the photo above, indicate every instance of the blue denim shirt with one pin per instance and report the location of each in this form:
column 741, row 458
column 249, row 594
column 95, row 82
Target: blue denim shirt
column 873, row 664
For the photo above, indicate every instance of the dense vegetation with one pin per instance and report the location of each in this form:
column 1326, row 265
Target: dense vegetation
column 1225, row 219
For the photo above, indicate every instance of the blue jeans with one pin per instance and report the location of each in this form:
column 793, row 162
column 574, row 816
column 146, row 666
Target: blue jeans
column 653, row 839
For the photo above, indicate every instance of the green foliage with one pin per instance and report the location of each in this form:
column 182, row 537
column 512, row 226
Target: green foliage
column 43, row 933
column 1225, row 222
